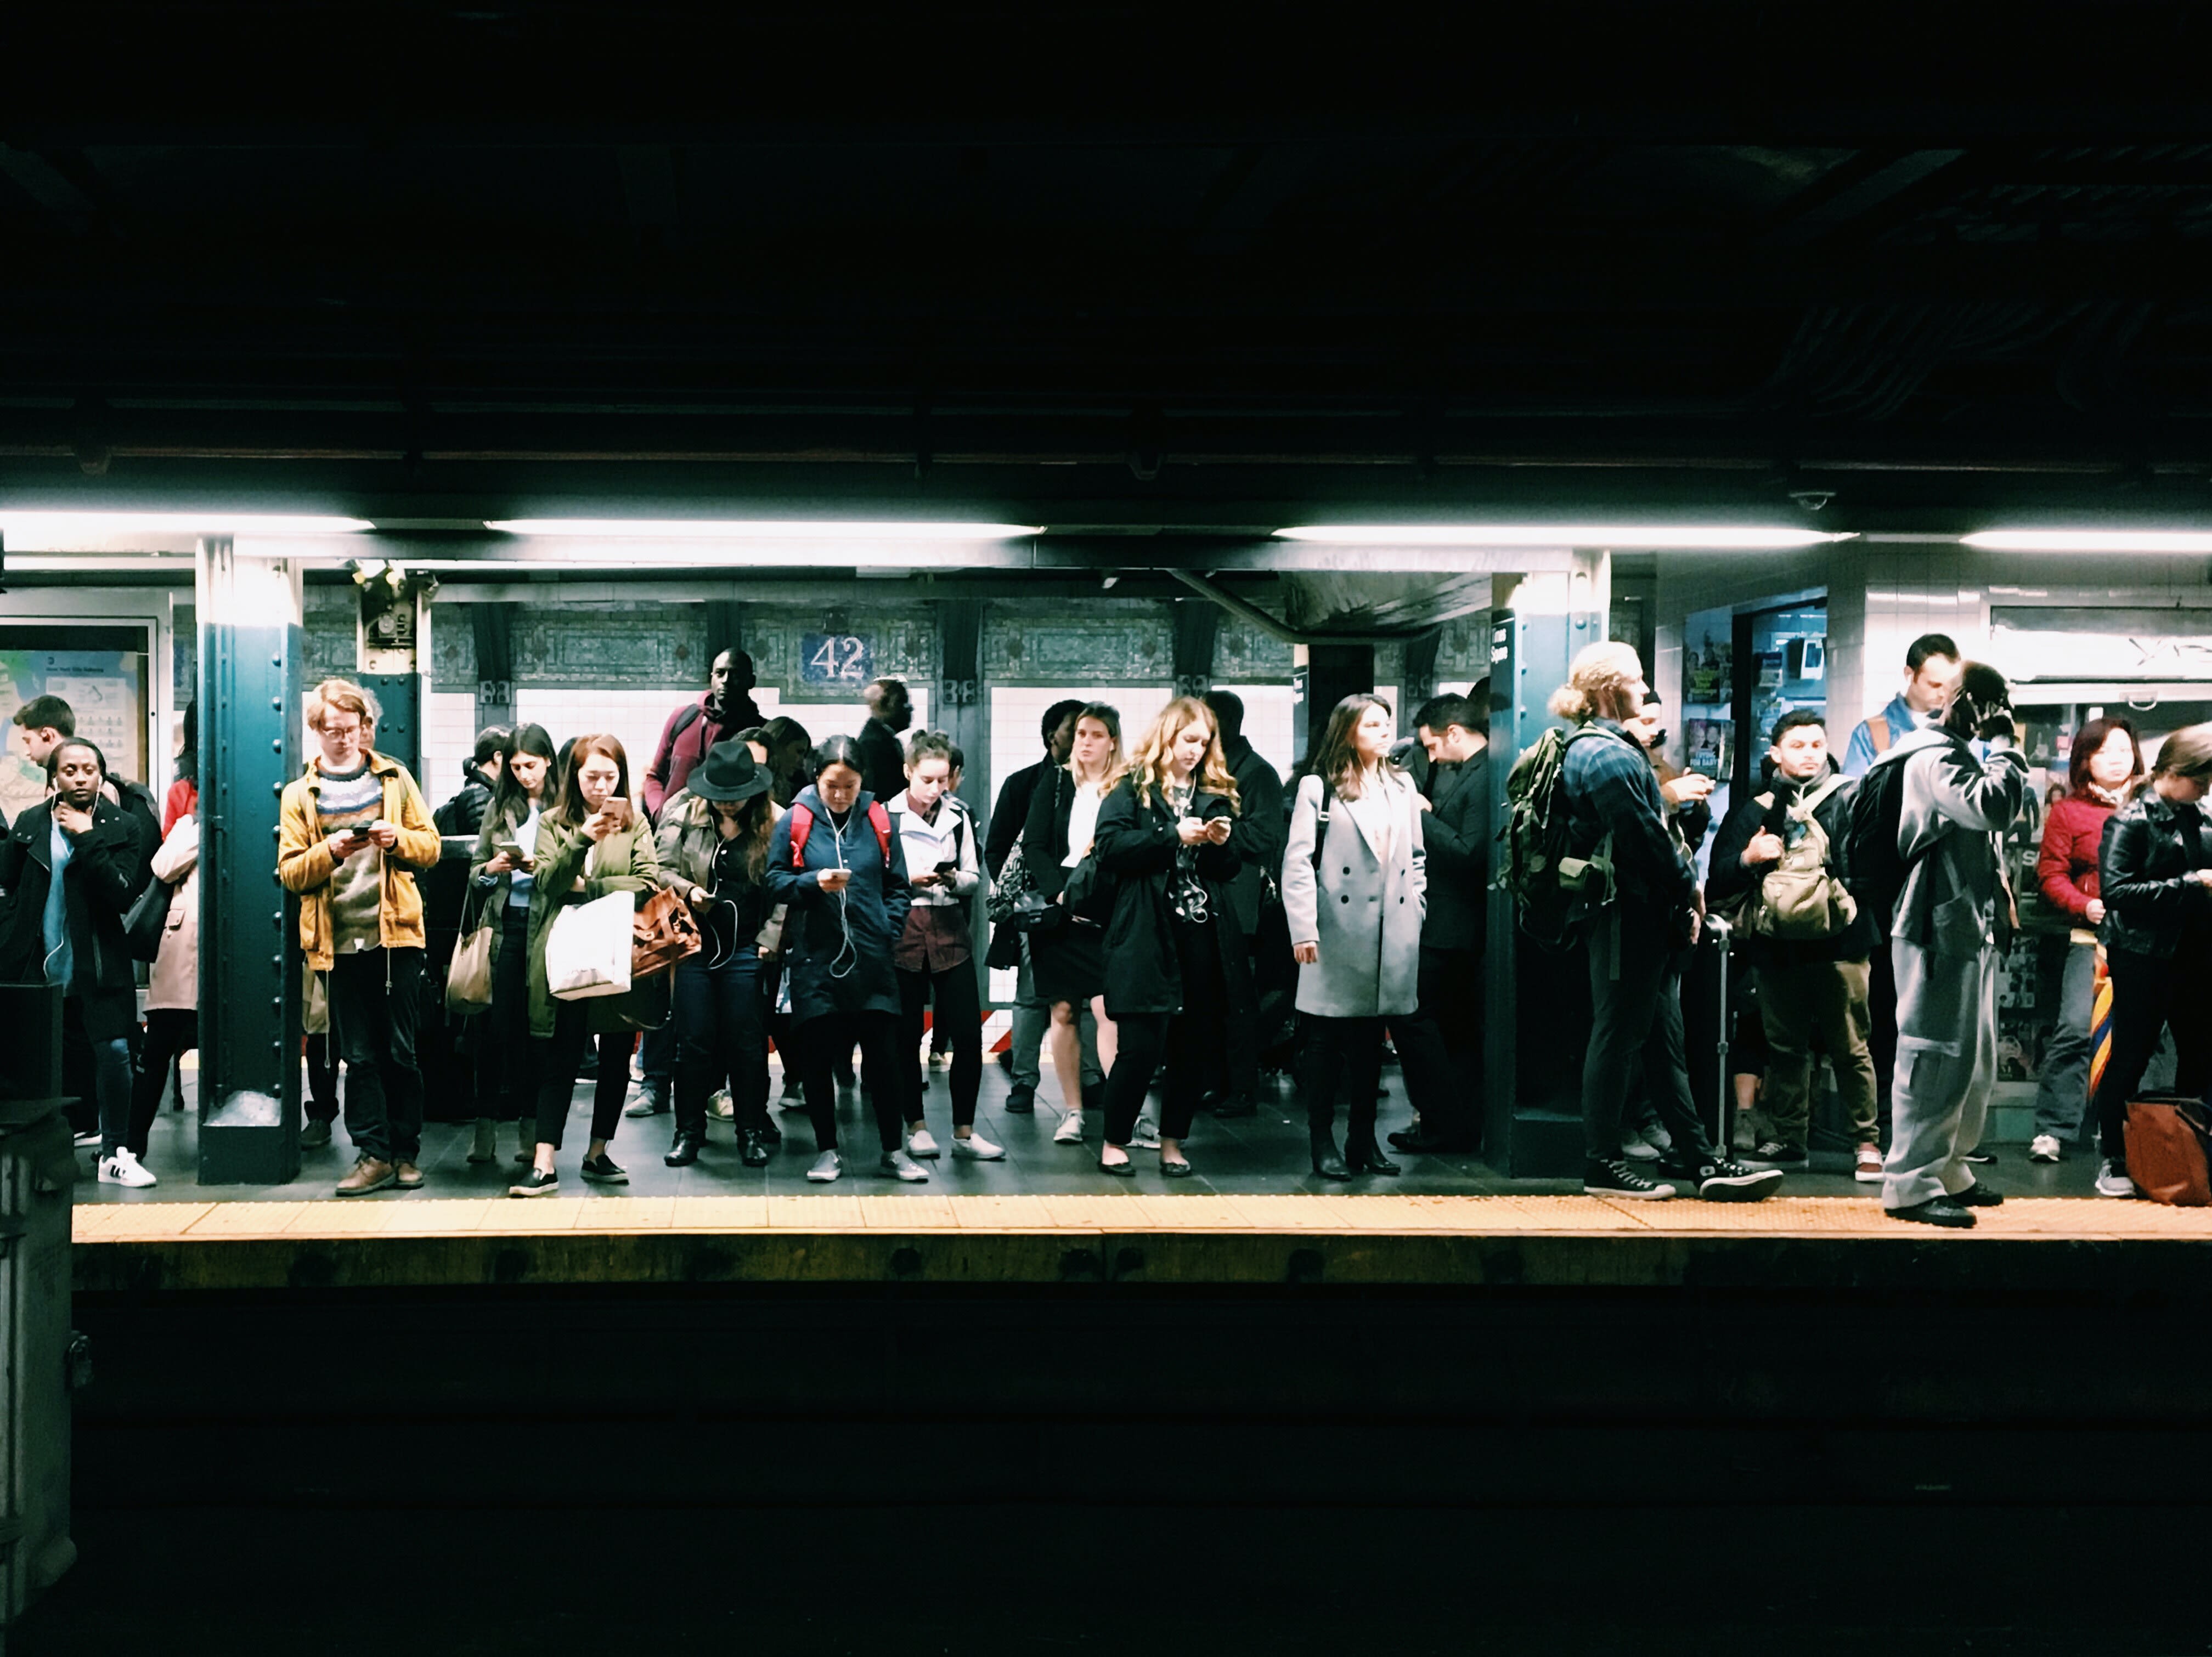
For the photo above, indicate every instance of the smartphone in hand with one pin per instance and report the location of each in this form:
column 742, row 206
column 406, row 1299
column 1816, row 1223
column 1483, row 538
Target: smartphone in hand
column 617, row 809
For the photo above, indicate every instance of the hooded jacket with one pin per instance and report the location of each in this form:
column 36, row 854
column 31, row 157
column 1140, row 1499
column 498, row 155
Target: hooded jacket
column 837, row 946
column 1953, row 819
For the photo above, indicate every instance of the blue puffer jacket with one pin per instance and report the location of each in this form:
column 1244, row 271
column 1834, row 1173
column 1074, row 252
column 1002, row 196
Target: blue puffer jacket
column 837, row 946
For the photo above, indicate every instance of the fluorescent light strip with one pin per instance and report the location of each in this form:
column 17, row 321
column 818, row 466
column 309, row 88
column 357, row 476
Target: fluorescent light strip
column 73, row 527
column 1711, row 536
column 2090, row 540
column 700, row 529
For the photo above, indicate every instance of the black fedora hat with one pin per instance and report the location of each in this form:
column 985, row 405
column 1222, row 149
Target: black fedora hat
column 726, row 776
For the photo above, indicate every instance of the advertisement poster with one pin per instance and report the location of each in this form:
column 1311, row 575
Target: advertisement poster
column 105, row 688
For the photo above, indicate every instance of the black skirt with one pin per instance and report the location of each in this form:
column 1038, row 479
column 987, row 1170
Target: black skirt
column 1068, row 963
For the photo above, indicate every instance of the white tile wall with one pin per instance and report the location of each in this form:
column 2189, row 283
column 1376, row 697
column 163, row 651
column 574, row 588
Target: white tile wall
column 1268, row 723
column 838, row 718
column 449, row 738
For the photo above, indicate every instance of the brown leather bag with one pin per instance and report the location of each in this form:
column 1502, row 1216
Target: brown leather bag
column 2166, row 1135
column 663, row 934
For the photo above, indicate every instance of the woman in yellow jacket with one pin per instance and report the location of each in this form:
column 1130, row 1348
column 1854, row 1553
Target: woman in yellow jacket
column 593, row 841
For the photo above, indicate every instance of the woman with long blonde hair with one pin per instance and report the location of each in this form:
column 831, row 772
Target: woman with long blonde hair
column 1170, row 841
column 1068, row 961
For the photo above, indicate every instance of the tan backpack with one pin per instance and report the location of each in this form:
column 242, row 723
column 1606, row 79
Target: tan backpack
column 1801, row 898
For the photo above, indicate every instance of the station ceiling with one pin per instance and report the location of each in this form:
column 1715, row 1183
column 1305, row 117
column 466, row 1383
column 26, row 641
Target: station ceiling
column 1109, row 268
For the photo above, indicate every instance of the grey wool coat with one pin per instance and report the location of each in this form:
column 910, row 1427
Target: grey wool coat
column 1365, row 914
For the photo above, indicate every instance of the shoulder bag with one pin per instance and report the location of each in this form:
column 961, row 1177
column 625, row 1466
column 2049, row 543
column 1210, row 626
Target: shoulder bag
column 468, row 979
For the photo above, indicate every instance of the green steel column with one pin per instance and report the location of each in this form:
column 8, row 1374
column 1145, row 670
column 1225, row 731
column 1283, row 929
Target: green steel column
column 251, row 649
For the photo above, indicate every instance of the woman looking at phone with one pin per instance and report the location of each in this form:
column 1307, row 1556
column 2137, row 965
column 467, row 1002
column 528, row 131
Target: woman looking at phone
column 834, row 860
column 1178, row 967
column 502, row 877
column 936, row 951
column 590, row 843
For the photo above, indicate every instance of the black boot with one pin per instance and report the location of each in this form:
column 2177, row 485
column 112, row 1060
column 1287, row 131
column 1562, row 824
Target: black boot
column 1325, row 1161
column 685, row 1150
column 753, row 1147
column 1363, row 1156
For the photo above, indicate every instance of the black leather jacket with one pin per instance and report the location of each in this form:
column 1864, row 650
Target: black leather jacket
column 2143, row 876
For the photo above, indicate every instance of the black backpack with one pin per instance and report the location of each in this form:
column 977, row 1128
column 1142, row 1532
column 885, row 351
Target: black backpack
column 1549, row 887
column 1874, row 871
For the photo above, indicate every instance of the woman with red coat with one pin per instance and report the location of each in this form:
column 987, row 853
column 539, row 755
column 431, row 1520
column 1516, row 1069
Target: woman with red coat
column 2107, row 761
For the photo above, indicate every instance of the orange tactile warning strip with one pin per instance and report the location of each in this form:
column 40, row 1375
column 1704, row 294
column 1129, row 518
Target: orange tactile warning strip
column 2082, row 1219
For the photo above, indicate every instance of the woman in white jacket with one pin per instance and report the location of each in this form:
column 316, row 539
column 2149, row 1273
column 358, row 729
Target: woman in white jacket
column 173, row 995
column 935, row 954
column 1353, row 885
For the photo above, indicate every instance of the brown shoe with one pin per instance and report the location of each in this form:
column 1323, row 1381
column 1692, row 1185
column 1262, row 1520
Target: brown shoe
column 407, row 1176
column 369, row 1175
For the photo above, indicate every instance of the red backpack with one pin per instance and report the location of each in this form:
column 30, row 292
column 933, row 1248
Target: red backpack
column 802, row 829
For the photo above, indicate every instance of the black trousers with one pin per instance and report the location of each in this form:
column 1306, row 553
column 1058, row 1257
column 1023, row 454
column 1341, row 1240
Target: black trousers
column 1342, row 1055
column 507, row 1080
column 1636, row 1025
column 724, row 1042
column 958, row 1024
column 823, row 1041
column 561, row 1061
column 1440, row 1047
column 1187, row 1044
column 1882, row 1023
column 375, row 998
column 2147, row 995
column 171, row 1033
column 322, row 1079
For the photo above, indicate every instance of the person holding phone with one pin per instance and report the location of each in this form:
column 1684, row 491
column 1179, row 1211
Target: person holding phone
column 503, row 877
column 590, row 844
column 836, row 861
column 936, row 951
column 354, row 830
column 1170, row 842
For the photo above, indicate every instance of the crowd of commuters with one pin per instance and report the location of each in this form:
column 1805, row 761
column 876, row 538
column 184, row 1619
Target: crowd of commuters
column 1166, row 907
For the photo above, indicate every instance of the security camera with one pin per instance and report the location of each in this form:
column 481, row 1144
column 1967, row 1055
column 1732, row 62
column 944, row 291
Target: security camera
column 1812, row 499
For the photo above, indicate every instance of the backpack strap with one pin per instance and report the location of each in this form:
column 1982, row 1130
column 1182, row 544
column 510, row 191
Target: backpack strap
column 1321, row 824
column 1878, row 731
column 1820, row 796
column 880, row 821
column 801, row 818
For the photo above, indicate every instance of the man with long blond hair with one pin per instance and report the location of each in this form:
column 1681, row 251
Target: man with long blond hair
column 1636, row 937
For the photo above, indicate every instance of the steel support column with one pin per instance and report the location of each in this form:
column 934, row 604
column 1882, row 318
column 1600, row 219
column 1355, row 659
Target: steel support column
column 963, row 713
column 1537, row 1018
column 251, row 649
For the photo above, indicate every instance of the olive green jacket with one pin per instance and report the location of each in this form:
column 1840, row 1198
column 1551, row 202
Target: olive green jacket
column 627, row 862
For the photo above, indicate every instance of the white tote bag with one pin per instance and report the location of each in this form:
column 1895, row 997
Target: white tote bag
column 587, row 951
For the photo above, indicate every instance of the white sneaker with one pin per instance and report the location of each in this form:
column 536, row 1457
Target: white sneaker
column 940, row 1062
column 1636, row 1148
column 90, row 1137
column 2043, row 1148
column 827, row 1167
column 123, row 1168
column 900, row 1166
column 2113, row 1182
column 1147, row 1136
column 920, row 1143
column 977, row 1146
column 721, row 1107
column 1070, row 1131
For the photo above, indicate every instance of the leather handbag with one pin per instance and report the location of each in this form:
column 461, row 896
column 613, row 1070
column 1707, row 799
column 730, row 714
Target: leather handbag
column 148, row 920
column 662, row 933
column 1012, row 884
column 468, row 978
column 2168, row 1136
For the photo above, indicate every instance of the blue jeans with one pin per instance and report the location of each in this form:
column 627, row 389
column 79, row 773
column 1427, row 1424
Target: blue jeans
column 721, row 1026
column 97, row 1070
column 2062, row 1096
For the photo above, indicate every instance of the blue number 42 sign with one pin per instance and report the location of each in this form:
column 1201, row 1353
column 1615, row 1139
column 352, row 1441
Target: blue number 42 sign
column 836, row 659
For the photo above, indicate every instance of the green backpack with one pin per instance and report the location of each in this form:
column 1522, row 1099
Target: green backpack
column 1549, row 886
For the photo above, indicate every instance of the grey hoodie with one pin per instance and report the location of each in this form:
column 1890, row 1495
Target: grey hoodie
column 1956, row 809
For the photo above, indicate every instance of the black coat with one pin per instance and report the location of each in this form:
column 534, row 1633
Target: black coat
column 2143, row 875
column 1011, row 815
column 1136, row 847
column 464, row 814
column 107, row 869
column 1729, row 880
column 1260, row 815
column 883, row 761
column 1456, row 833
column 1044, row 836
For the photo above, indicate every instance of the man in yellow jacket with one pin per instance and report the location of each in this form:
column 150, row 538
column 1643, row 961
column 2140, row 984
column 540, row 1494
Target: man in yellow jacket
column 354, row 830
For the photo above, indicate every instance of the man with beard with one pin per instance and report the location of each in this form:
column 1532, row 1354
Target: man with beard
column 727, row 708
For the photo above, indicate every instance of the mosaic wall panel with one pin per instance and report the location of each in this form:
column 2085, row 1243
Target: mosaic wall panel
column 1244, row 654
column 184, row 655
column 1104, row 641
column 331, row 620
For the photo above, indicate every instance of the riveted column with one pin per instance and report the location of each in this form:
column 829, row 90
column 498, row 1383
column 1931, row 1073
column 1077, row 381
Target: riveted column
column 251, row 648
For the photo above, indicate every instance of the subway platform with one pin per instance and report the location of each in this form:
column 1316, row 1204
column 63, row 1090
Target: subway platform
column 1254, row 1214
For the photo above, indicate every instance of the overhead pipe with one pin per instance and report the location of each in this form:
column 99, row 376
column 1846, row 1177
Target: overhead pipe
column 1245, row 610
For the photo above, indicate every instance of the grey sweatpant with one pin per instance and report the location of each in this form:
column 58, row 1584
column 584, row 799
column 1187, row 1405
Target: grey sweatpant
column 1939, row 1099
